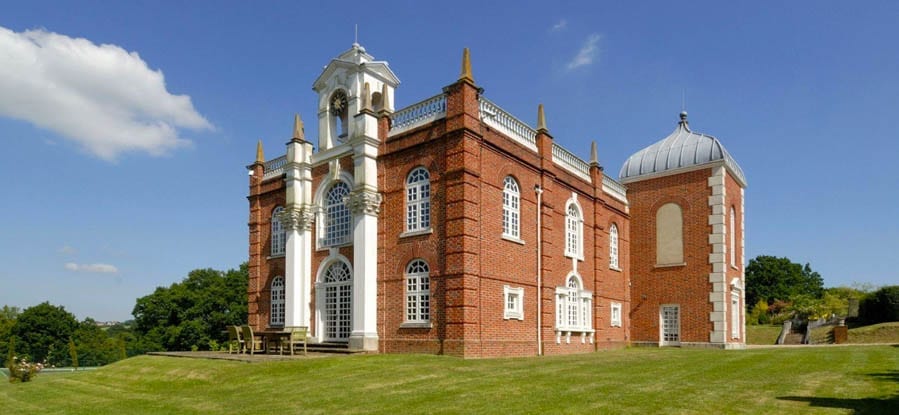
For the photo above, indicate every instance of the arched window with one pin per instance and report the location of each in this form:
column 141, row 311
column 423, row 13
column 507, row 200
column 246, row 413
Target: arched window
column 279, row 237
column 732, row 230
column 418, row 200
column 337, row 218
column 511, row 208
column 573, row 306
column 613, row 246
column 277, row 316
column 574, row 232
column 418, row 292
column 669, row 235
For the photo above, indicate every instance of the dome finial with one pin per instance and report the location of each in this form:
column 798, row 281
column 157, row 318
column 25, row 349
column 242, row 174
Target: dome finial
column 683, row 119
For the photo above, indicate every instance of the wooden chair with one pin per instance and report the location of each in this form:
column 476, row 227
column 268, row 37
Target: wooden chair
column 235, row 341
column 297, row 336
column 251, row 342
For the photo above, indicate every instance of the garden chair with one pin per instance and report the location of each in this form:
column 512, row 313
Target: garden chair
column 235, row 341
column 297, row 335
column 251, row 342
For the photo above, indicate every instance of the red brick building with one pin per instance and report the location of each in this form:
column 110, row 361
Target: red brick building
column 452, row 227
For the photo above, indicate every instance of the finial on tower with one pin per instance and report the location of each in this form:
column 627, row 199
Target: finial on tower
column 299, row 132
column 260, row 156
column 466, row 67
column 683, row 119
column 541, row 118
column 385, row 101
column 366, row 97
column 594, row 159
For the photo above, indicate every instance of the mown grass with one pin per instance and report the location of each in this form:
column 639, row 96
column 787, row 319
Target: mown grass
column 876, row 333
column 864, row 379
column 762, row 334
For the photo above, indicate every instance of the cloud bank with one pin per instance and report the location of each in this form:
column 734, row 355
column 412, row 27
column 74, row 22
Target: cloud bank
column 587, row 54
column 97, row 268
column 102, row 97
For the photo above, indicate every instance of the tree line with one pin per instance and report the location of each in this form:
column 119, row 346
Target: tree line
column 187, row 315
column 778, row 289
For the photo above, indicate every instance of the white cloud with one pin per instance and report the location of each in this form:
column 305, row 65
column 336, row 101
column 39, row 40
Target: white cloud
column 102, row 97
column 587, row 54
column 561, row 25
column 97, row 268
column 67, row 250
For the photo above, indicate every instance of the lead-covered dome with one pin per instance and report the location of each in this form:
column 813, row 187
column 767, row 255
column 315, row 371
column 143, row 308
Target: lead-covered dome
column 681, row 150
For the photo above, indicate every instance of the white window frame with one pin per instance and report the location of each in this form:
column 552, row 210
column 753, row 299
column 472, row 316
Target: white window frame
column 574, row 230
column 418, row 293
column 735, row 311
column 513, row 303
column 279, row 234
column 277, row 290
column 337, row 224
column 615, row 317
column 733, row 238
column 418, row 200
column 613, row 247
column 511, row 208
column 574, row 309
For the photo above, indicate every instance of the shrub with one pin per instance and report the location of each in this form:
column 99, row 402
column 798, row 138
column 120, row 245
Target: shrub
column 20, row 370
column 880, row 306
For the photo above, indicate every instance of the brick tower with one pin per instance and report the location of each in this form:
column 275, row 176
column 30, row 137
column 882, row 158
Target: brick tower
column 686, row 206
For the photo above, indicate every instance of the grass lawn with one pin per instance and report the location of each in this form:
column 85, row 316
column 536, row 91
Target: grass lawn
column 835, row 379
column 762, row 334
column 876, row 333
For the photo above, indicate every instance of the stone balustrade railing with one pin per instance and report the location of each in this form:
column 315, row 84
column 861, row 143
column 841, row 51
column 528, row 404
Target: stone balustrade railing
column 418, row 114
column 613, row 188
column 496, row 117
column 274, row 167
column 570, row 162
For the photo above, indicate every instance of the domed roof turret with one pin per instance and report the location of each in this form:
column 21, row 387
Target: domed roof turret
column 681, row 150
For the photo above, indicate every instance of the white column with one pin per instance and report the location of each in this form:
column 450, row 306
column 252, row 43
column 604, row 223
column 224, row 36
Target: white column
column 298, row 219
column 298, row 267
column 365, row 206
column 365, row 203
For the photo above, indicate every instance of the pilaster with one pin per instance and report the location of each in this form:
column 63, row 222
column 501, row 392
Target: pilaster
column 717, row 256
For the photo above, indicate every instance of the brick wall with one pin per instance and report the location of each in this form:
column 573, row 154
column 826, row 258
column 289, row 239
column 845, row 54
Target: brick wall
column 686, row 285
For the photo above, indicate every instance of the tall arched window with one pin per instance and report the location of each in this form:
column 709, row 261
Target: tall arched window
column 418, row 292
column 277, row 316
column 511, row 208
column 574, row 232
column 279, row 237
column 337, row 218
column 732, row 230
column 613, row 246
column 669, row 235
column 418, row 200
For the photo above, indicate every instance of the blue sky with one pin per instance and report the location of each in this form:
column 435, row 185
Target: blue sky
column 126, row 126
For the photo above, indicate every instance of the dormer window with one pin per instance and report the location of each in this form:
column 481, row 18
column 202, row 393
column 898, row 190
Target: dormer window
column 339, row 111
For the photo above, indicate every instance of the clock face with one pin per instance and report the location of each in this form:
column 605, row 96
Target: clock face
column 339, row 103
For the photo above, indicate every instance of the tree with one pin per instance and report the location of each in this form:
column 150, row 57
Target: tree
column 43, row 332
column 8, row 317
column 770, row 278
column 193, row 312
column 880, row 306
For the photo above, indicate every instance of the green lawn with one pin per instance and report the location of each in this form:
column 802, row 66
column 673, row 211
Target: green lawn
column 876, row 333
column 762, row 334
column 833, row 379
